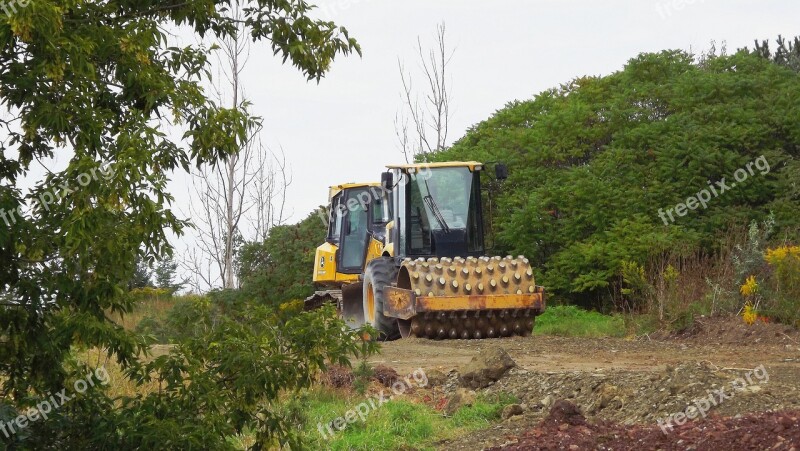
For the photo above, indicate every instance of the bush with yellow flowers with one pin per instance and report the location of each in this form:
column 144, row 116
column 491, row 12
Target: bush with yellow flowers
column 750, row 292
column 750, row 287
column 785, row 262
column 749, row 314
column 784, row 265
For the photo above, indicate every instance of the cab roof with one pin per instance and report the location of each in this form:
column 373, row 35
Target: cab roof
column 336, row 189
column 354, row 185
column 447, row 164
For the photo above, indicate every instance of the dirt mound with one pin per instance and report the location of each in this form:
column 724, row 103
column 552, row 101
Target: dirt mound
column 635, row 382
column 583, row 403
column 649, row 397
column 565, row 412
column 385, row 375
column 338, row 376
column 733, row 330
column 774, row 430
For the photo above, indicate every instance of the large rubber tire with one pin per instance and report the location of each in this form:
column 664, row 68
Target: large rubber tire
column 379, row 274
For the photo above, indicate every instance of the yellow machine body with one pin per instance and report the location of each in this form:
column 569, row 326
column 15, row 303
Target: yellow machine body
column 438, row 293
column 327, row 276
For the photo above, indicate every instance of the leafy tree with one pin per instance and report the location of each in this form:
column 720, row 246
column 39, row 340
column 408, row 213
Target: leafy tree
column 596, row 160
column 279, row 269
column 97, row 84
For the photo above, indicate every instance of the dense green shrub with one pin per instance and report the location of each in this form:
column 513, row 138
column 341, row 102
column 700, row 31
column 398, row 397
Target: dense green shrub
column 221, row 379
column 280, row 268
column 783, row 281
column 154, row 328
column 101, row 88
column 594, row 161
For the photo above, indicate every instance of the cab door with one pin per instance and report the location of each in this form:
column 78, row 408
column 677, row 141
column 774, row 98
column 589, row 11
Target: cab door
column 355, row 235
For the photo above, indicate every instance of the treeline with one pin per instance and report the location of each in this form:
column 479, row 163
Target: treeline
column 663, row 164
column 279, row 269
column 607, row 171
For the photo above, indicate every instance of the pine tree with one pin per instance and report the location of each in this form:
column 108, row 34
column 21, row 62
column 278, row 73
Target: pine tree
column 142, row 276
column 165, row 274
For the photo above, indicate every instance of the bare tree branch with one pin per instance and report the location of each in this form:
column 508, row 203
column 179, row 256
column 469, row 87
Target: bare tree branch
column 427, row 113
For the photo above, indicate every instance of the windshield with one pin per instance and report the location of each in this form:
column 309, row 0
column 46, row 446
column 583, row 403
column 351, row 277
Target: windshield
column 443, row 203
column 444, row 195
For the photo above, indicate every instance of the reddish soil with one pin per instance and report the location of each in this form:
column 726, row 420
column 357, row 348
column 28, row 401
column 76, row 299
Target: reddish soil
column 565, row 428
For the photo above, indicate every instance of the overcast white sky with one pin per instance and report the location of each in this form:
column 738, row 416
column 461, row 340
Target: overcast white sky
column 342, row 129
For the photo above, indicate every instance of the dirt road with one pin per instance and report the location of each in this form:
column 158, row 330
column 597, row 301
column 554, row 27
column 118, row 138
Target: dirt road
column 724, row 344
column 643, row 381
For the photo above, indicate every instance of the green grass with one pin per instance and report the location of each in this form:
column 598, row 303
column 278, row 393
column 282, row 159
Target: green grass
column 483, row 413
column 571, row 321
column 640, row 324
column 396, row 424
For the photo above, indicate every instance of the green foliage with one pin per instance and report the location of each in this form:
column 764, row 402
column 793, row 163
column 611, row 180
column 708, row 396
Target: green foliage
column 393, row 425
column 571, row 321
column 594, row 160
column 165, row 273
column 640, row 324
column 279, row 269
column 748, row 257
column 99, row 86
column 363, row 376
column 484, row 411
column 786, row 53
column 637, row 287
column 221, row 379
column 142, row 276
column 192, row 316
column 155, row 328
column 782, row 285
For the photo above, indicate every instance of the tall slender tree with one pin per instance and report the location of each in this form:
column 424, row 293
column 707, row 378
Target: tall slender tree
column 240, row 198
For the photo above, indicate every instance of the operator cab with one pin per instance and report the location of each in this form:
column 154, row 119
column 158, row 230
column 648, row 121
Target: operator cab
column 358, row 214
column 439, row 209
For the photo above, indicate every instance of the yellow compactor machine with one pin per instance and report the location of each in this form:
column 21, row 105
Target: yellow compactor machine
column 407, row 256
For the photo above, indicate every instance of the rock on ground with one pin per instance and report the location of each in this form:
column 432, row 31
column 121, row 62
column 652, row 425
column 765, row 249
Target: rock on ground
column 461, row 398
column 436, row 378
column 512, row 410
column 486, row 368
